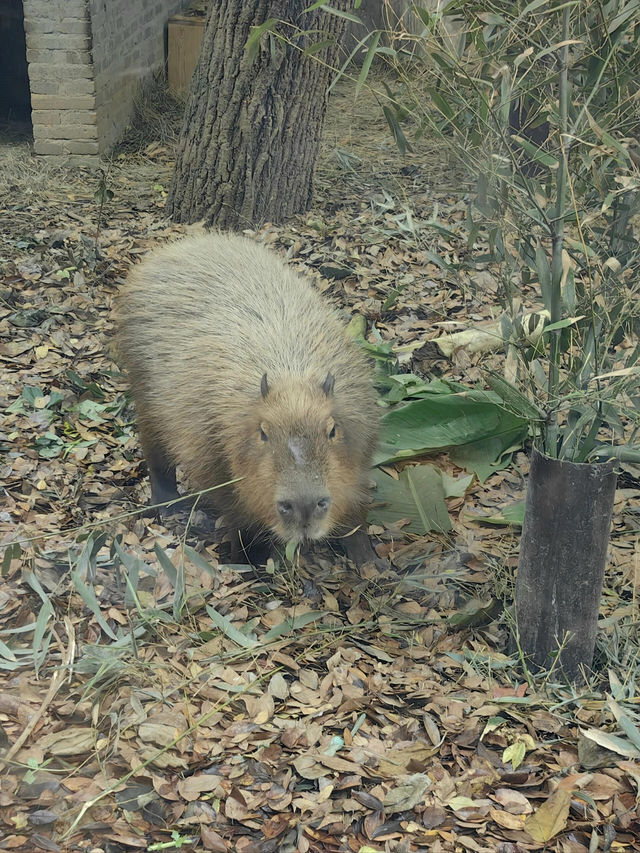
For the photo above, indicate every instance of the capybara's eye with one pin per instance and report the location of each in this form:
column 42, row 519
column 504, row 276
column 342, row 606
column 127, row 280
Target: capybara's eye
column 332, row 431
column 263, row 435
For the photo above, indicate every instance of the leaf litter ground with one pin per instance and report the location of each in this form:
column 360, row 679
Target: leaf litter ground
column 152, row 698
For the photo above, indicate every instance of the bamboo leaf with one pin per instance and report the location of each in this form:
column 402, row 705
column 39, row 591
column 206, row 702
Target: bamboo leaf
column 515, row 399
column 340, row 13
column 290, row 625
column 396, row 130
column 536, row 153
column 366, row 65
column 544, row 276
column 199, row 561
column 223, row 624
column 253, row 42
column 317, row 46
column 562, row 324
column 89, row 599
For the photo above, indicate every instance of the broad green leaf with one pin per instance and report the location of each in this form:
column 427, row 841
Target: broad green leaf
column 486, row 456
column 166, row 565
column 426, row 17
column 39, row 644
column 6, row 653
column 625, row 723
column 474, row 425
column 455, row 487
column 198, row 560
column 492, row 724
column 515, row 753
column 441, row 104
column 134, row 567
column 460, row 802
column 176, row 579
column 418, row 495
column 612, row 743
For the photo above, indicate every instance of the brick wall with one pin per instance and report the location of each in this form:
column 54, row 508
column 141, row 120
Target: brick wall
column 128, row 45
column 58, row 36
column 87, row 59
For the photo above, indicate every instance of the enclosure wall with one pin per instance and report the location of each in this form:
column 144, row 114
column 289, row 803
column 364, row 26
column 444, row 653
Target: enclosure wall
column 61, row 77
column 128, row 46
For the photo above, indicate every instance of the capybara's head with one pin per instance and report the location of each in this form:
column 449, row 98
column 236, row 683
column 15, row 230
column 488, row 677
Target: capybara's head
column 300, row 460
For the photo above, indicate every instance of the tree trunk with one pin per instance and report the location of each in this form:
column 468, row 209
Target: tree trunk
column 253, row 121
column 563, row 552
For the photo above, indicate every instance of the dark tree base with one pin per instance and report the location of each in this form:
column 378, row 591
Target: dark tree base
column 562, row 560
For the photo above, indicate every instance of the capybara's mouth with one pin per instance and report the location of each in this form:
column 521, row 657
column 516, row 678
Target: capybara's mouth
column 302, row 535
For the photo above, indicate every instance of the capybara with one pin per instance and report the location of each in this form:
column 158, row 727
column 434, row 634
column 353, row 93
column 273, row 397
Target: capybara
column 240, row 370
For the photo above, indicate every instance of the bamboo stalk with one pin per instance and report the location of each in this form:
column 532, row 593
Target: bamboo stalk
column 557, row 235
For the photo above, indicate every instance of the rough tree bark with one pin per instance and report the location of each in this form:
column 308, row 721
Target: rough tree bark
column 563, row 553
column 253, row 121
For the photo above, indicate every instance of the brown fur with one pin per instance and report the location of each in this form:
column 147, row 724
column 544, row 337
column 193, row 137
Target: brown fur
column 200, row 322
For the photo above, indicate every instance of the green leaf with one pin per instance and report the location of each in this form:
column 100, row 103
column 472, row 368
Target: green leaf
column 223, row 624
column 290, row 625
column 399, row 137
column 199, row 561
column 418, row 494
column 88, row 597
column 515, row 753
column 91, row 410
column 537, row 154
column 510, row 515
column 486, row 456
column 515, row 400
column 6, row 653
column 366, row 65
column 317, row 46
column 563, row 324
column 441, row 104
column 340, row 13
column 455, row 487
column 544, row 276
column 166, row 565
column 176, row 578
column 531, row 7
column 474, row 425
column 253, row 42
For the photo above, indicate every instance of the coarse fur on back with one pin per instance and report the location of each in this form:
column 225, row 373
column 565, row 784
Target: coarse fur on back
column 239, row 369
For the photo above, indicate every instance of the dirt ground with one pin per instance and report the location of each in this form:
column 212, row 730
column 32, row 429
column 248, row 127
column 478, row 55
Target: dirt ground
column 311, row 706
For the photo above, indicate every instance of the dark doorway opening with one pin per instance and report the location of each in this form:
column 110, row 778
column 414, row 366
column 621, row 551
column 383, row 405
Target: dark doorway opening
column 15, row 97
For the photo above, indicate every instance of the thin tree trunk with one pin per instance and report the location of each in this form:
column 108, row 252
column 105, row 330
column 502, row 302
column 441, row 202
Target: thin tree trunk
column 253, row 121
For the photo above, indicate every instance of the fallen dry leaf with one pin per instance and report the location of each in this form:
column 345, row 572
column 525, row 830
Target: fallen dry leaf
column 550, row 818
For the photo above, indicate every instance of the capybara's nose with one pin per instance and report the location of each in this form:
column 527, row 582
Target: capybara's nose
column 300, row 511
